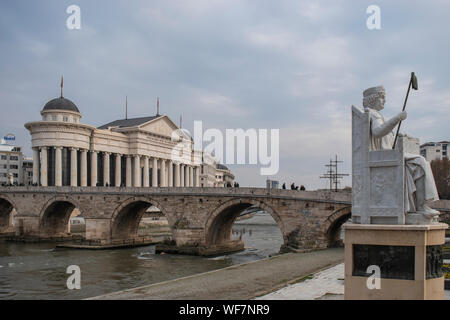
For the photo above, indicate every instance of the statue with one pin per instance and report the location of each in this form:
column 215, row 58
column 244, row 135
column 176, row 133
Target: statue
column 10, row 179
column 419, row 181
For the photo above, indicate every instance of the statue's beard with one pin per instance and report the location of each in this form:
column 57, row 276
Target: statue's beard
column 378, row 106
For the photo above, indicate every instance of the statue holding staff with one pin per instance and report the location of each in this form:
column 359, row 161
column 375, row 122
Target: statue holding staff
column 420, row 185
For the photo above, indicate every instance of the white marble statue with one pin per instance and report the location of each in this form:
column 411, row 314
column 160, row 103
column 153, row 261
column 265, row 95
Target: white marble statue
column 420, row 185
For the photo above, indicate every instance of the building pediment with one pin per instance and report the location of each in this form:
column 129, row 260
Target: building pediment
column 161, row 126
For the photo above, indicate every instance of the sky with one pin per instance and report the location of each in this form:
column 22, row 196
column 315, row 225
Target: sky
column 296, row 66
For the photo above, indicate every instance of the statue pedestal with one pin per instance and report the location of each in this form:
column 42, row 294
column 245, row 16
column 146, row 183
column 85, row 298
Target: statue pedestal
column 409, row 258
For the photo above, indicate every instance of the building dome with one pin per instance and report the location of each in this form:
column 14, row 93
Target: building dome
column 221, row 167
column 61, row 103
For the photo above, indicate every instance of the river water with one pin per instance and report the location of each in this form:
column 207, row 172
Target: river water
column 38, row 271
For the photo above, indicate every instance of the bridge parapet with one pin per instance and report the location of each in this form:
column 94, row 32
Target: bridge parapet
column 320, row 195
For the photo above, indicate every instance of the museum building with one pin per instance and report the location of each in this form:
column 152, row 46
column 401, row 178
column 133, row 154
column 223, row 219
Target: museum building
column 136, row 152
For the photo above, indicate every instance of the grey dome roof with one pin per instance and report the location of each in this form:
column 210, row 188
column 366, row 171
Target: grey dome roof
column 61, row 103
column 221, row 167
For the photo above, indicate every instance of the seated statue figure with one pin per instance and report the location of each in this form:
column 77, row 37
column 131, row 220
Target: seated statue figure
column 419, row 184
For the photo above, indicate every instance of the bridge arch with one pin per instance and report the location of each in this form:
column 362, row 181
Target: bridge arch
column 127, row 216
column 332, row 225
column 55, row 214
column 6, row 210
column 218, row 226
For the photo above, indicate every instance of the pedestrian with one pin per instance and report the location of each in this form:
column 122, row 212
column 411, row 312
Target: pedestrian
column 284, row 186
column 302, row 188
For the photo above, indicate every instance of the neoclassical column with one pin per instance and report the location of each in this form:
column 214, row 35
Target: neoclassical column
column 106, row 168
column 44, row 181
column 94, row 156
column 170, row 173
column 155, row 173
column 137, row 170
column 35, row 165
column 73, row 167
column 58, row 166
column 163, row 173
column 186, row 176
column 128, row 171
column 83, row 168
column 197, row 176
column 118, row 173
column 182, row 167
column 177, row 174
column 146, row 172
column 191, row 176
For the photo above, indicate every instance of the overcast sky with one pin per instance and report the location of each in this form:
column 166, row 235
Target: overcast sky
column 296, row 66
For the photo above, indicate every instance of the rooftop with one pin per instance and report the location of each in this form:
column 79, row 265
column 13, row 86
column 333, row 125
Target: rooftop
column 126, row 123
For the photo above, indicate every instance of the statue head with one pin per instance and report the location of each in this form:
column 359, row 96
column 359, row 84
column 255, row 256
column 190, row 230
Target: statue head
column 374, row 98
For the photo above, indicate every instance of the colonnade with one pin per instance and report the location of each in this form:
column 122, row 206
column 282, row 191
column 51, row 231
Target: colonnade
column 49, row 168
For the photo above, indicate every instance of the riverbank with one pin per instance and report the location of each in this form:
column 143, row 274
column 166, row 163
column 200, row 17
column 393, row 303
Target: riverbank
column 240, row 282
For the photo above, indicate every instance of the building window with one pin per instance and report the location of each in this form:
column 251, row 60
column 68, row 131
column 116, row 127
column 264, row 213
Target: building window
column 3, row 157
column 14, row 158
column 14, row 166
column 438, row 150
column 65, row 119
column 54, row 118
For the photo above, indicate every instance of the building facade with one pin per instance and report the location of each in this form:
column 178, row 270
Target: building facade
column 224, row 177
column 27, row 171
column 435, row 150
column 272, row 184
column 208, row 171
column 128, row 152
column 11, row 163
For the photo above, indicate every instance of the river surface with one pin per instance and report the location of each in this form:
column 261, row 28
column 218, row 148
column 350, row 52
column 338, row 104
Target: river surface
column 38, row 271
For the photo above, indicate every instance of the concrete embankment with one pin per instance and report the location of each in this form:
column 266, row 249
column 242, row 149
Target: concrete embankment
column 241, row 282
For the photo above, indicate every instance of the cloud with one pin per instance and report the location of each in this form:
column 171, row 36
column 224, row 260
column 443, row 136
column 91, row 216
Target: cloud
column 215, row 104
column 293, row 65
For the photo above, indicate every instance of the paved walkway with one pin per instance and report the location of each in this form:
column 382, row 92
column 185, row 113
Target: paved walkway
column 239, row 282
column 327, row 284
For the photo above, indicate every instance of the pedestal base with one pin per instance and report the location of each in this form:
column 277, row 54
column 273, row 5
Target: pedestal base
column 408, row 258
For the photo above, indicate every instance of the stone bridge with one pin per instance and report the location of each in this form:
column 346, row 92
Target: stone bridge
column 198, row 217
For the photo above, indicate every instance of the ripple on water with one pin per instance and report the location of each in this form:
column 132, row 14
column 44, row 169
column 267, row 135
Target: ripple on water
column 146, row 256
column 219, row 258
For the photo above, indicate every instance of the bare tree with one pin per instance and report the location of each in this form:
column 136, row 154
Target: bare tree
column 441, row 173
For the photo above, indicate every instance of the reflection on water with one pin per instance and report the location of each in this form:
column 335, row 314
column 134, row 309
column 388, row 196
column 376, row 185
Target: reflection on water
column 38, row 271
